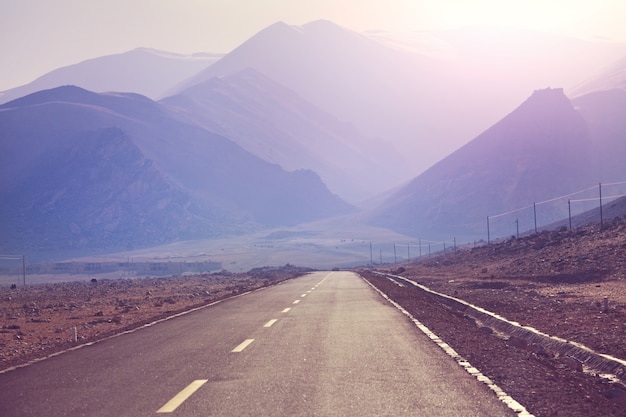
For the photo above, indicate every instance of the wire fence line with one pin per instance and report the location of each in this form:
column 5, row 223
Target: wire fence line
column 559, row 208
column 527, row 221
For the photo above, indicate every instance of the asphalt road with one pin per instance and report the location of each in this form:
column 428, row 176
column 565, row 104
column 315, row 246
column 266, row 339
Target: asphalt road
column 325, row 344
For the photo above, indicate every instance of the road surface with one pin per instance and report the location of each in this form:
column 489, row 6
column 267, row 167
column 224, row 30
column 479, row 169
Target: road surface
column 325, row 344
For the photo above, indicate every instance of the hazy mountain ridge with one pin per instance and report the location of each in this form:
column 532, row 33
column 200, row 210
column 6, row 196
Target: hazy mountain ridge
column 277, row 125
column 543, row 149
column 408, row 95
column 104, row 170
column 144, row 71
column 609, row 78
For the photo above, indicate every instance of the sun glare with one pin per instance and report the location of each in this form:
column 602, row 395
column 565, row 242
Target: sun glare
column 567, row 17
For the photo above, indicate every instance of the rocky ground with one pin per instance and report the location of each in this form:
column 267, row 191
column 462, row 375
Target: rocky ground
column 555, row 282
column 38, row 320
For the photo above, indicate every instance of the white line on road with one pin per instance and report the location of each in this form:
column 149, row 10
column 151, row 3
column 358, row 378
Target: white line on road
column 502, row 396
column 243, row 345
column 303, row 295
column 296, row 302
column 270, row 323
column 179, row 398
column 286, row 310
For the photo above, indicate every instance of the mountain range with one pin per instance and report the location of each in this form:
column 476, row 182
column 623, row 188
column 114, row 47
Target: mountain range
column 425, row 100
column 84, row 170
column 295, row 120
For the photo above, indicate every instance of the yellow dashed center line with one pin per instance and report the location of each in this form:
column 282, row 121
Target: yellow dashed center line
column 173, row 404
column 243, row 345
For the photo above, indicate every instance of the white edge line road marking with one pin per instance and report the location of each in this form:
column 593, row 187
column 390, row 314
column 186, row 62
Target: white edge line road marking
column 179, row 398
column 502, row 396
column 296, row 302
column 286, row 310
column 243, row 345
column 270, row 323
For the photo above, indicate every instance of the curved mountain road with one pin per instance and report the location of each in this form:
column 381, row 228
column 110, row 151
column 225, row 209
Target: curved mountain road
column 325, row 344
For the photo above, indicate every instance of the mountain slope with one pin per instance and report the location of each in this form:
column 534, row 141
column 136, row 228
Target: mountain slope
column 277, row 125
column 144, row 71
column 541, row 150
column 86, row 170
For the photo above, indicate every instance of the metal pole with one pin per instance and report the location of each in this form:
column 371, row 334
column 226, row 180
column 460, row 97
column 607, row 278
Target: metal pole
column 420, row 247
column 371, row 259
column 517, row 228
column 395, row 257
column 24, row 268
column 488, row 235
column 569, row 210
column 535, row 214
column 408, row 252
column 600, row 188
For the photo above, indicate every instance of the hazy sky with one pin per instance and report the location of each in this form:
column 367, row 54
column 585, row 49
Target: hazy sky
column 37, row 36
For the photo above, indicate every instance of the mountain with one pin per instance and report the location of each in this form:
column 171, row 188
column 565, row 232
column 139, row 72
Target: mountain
column 610, row 78
column 426, row 100
column 605, row 115
column 87, row 171
column 144, row 71
column 276, row 124
column 543, row 149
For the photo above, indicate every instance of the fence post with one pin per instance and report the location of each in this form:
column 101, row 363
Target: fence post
column 535, row 214
column 569, row 211
column 601, row 220
column 488, row 235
